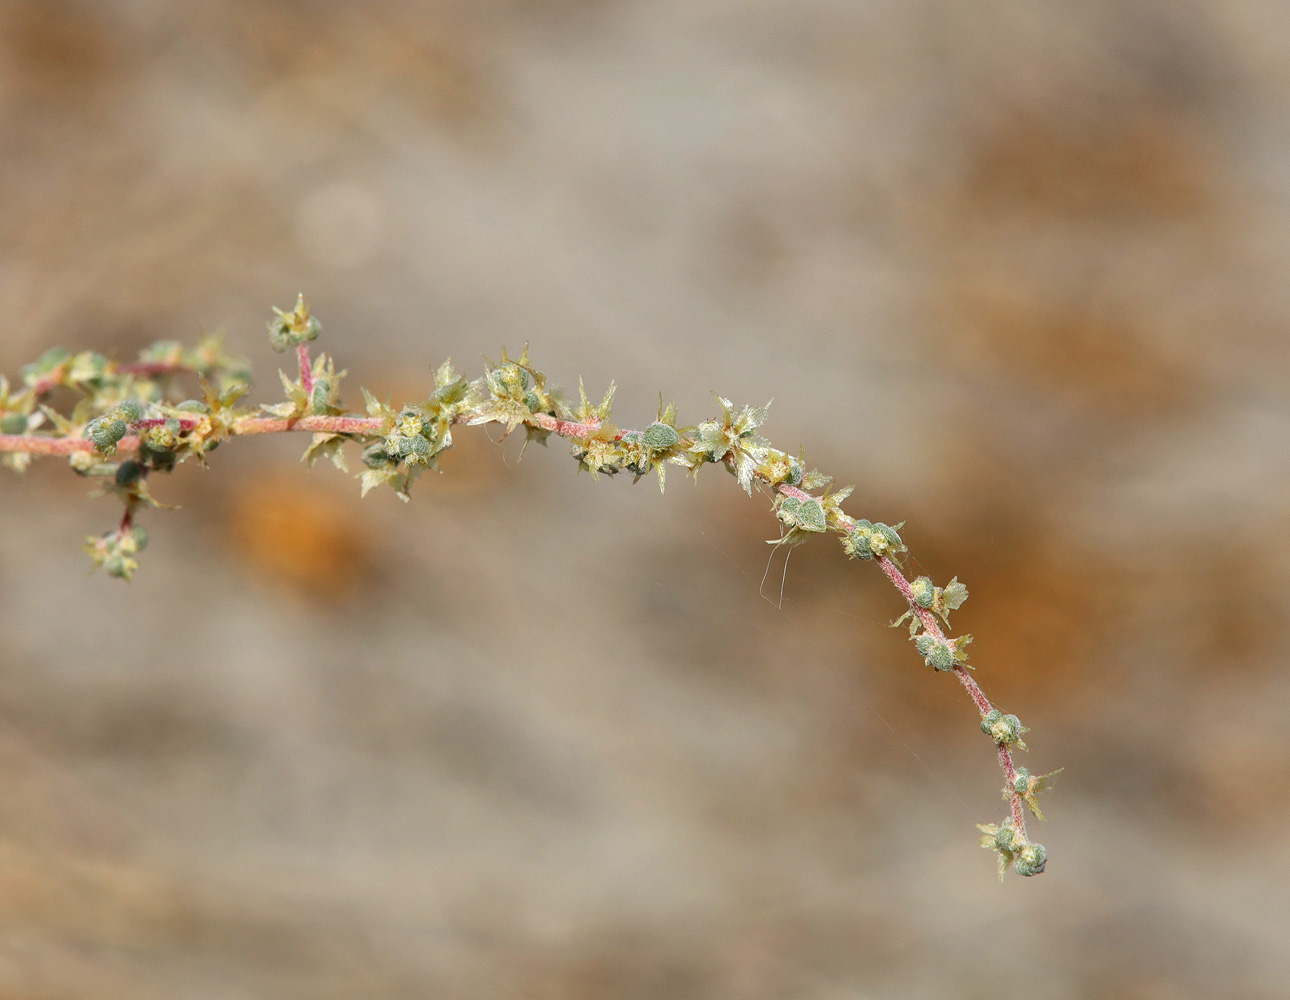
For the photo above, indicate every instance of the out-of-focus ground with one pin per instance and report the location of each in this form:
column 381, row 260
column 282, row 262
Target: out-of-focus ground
column 1016, row 270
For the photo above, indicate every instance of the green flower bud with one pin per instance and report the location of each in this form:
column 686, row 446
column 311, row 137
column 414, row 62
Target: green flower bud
column 376, row 457
column 163, row 437
column 117, row 566
column 161, row 459
column 883, row 540
column 1003, row 729
column 658, row 436
column 128, row 473
column 1006, row 839
column 1022, row 783
column 105, row 433
column 924, row 592
column 419, row 447
column 532, row 400
column 128, row 411
column 13, row 423
column 320, row 398
column 292, row 329
column 193, row 406
column 1030, row 860
column 935, row 652
column 857, row 542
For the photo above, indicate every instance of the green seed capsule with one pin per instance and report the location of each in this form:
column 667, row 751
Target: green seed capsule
column 13, row 423
column 100, row 433
column 857, row 543
column 1022, row 784
column 193, row 406
column 533, row 401
column 659, row 436
column 924, row 592
column 115, row 565
column 935, row 652
column 128, row 411
column 376, row 457
column 1030, row 860
column 163, row 437
column 128, row 473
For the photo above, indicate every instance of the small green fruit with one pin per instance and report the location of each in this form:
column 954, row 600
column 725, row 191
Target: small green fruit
column 658, row 436
column 1030, row 860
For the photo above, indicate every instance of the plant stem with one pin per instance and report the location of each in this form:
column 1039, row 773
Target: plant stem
column 933, row 627
column 375, row 426
column 306, row 370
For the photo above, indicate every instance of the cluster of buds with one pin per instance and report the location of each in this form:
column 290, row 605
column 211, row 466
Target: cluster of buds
column 110, row 427
column 871, row 541
column 413, row 439
column 939, row 600
column 647, row 449
column 1005, row 730
column 1028, row 786
column 1023, row 856
column 116, row 551
column 291, row 329
column 942, row 654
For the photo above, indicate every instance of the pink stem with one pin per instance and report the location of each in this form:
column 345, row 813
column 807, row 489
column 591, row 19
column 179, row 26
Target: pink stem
column 151, row 369
column 306, row 370
column 568, row 428
column 48, row 445
column 36, row 444
column 933, row 628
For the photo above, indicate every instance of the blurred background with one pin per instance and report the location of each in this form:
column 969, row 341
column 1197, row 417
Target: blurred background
column 1016, row 270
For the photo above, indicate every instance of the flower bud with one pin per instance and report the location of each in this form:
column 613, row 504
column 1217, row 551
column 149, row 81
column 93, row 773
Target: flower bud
column 658, row 436
column 128, row 473
column 1030, row 860
column 935, row 652
column 1003, row 729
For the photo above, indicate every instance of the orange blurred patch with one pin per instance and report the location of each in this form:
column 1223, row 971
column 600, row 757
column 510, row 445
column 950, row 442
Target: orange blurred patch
column 290, row 530
column 1090, row 353
column 1141, row 161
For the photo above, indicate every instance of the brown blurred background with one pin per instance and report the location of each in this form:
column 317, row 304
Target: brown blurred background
column 1017, row 270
